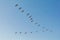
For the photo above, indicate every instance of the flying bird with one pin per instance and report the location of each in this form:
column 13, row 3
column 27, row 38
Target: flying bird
column 51, row 31
column 20, row 32
column 25, row 33
column 16, row 5
column 31, row 18
column 43, row 27
column 20, row 8
column 22, row 11
column 28, row 14
column 36, row 31
column 15, row 32
column 43, row 31
column 38, row 24
column 30, row 32
column 32, row 21
column 46, row 29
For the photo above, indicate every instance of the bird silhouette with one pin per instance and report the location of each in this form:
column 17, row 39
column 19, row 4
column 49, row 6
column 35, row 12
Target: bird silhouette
column 15, row 32
column 31, row 32
column 25, row 33
column 43, row 31
column 46, row 29
column 36, row 31
column 28, row 14
column 31, row 18
column 16, row 5
column 20, row 8
column 38, row 24
column 20, row 32
column 32, row 21
column 22, row 11
column 51, row 31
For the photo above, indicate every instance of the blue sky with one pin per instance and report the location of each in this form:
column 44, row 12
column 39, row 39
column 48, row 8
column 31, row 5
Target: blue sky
column 45, row 12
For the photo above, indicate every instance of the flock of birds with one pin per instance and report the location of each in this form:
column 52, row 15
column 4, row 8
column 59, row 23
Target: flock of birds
column 32, row 21
column 22, row 32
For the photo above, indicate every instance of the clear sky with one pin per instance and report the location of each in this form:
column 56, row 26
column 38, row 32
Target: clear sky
column 45, row 12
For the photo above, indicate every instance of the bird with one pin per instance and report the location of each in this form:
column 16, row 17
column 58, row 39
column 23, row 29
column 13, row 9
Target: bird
column 20, row 8
column 28, row 14
column 43, row 27
column 20, row 32
column 38, row 24
column 15, row 32
column 36, row 31
column 25, row 33
column 22, row 11
column 32, row 21
column 16, row 5
column 30, row 32
column 31, row 18
column 51, row 31
column 43, row 31
column 46, row 29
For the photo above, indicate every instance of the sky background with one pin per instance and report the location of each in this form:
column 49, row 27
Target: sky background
column 45, row 12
